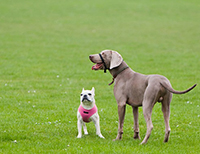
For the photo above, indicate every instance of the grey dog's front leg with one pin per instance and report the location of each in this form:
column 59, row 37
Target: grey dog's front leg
column 121, row 114
column 136, row 123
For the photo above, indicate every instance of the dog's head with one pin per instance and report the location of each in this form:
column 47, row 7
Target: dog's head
column 111, row 59
column 87, row 96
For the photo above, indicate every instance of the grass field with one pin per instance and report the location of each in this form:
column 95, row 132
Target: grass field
column 44, row 64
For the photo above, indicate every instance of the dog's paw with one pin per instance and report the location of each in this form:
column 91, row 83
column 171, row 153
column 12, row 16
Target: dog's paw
column 101, row 136
column 136, row 136
column 79, row 136
column 117, row 139
column 143, row 142
column 86, row 133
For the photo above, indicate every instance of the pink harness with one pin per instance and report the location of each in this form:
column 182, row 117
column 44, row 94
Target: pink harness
column 86, row 114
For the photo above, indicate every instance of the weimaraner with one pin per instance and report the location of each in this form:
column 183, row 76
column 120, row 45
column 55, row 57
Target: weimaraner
column 136, row 90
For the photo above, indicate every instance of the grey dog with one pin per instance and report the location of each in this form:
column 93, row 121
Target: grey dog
column 136, row 90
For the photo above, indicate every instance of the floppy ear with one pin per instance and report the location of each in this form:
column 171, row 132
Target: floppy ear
column 93, row 90
column 116, row 60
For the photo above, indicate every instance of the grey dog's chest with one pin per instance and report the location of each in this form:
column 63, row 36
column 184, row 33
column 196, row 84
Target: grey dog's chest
column 131, row 89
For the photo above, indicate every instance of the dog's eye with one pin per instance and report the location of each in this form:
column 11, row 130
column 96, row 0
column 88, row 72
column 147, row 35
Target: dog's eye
column 89, row 94
column 81, row 94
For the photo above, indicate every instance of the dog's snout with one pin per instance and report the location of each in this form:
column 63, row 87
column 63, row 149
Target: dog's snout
column 85, row 98
column 90, row 57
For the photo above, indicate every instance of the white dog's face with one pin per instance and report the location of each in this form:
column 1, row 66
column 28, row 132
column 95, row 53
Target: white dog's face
column 87, row 96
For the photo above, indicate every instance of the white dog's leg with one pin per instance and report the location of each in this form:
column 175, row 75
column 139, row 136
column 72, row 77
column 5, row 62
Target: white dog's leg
column 85, row 129
column 79, row 126
column 80, row 123
column 95, row 119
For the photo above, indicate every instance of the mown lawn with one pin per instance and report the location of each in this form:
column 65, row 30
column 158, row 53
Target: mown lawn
column 44, row 64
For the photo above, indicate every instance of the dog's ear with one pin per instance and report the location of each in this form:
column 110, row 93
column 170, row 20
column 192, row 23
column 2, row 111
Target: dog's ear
column 93, row 90
column 83, row 89
column 116, row 60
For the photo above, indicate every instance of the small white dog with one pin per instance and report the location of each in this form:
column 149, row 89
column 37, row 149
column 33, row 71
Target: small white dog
column 87, row 112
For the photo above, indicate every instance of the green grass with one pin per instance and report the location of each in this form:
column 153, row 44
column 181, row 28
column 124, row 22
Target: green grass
column 44, row 49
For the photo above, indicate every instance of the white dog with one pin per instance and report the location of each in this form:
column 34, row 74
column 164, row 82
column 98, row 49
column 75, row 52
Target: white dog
column 87, row 112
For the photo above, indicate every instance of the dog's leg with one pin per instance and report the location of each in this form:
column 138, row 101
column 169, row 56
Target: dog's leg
column 166, row 114
column 79, row 125
column 149, row 101
column 85, row 129
column 121, row 114
column 95, row 119
column 147, row 111
column 136, row 123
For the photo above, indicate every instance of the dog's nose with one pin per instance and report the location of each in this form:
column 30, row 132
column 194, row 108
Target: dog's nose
column 90, row 57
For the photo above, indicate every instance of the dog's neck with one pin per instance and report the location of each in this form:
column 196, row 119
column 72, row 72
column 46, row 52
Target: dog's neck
column 117, row 70
column 88, row 106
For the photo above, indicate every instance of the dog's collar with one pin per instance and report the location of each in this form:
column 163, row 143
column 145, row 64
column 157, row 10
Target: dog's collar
column 105, row 68
column 114, row 76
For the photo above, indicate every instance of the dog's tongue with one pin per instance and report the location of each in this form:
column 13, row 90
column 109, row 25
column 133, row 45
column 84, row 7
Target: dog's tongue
column 96, row 67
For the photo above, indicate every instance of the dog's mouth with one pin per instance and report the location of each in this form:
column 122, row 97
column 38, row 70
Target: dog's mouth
column 97, row 66
column 85, row 99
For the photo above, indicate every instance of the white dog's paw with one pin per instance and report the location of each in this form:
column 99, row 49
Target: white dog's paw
column 86, row 133
column 101, row 136
column 79, row 136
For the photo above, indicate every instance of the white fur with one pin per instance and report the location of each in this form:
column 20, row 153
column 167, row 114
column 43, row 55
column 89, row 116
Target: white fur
column 95, row 117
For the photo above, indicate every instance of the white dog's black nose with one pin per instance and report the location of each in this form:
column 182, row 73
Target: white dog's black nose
column 85, row 98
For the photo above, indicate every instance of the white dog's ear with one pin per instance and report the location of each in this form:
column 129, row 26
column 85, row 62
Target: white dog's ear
column 116, row 60
column 93, row 90
column 83, row 89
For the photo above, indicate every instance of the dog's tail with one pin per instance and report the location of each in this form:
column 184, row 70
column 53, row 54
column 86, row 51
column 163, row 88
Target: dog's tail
column 169, row 88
